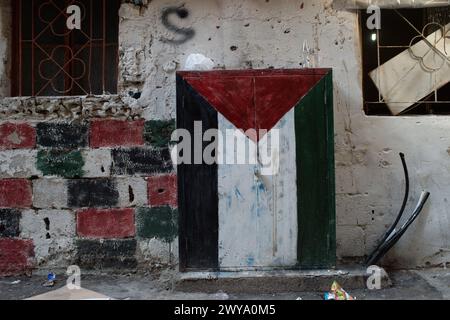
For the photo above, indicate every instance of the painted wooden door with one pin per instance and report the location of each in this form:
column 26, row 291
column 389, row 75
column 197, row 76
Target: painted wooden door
column 233, row 216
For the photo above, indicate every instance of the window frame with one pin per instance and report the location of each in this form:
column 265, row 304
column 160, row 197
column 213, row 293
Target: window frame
column 109, row 79
column 421, row 107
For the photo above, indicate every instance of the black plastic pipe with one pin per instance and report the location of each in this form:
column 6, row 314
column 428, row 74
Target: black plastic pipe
column 399, row 216
column 392, row 240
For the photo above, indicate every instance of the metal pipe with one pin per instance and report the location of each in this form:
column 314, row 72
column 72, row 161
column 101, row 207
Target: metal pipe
column 392, row 240
column 400, row 214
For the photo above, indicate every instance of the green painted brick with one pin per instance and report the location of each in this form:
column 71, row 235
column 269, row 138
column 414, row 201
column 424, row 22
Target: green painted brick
column 67, row 164
column 157, row 133
column 158, row 222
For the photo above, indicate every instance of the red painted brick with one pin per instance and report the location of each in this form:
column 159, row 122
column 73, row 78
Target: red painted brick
column 113, row 133
column 162, row 190
column 17, row 136
column 106, row 224
column 15, row 193
column 16, row 257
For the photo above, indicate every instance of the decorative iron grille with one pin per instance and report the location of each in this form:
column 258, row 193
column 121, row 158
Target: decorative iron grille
column 400, row 30
column 49, row 59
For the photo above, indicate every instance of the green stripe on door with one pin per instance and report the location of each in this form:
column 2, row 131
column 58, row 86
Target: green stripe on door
column 314, row 130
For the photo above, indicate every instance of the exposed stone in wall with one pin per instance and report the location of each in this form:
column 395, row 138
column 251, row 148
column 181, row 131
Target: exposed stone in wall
column 67, row 108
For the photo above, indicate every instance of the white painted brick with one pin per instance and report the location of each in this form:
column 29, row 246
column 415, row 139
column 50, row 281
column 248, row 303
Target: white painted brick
column 55, row 245
column 353, row 209
column 350, row 241
column 136, row 186
column 158, row 251
column 18, row 164
column 345, row 181
column 50, row 193
column 97, row 163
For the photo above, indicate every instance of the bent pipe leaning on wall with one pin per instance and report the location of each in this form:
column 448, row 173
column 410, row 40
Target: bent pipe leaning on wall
column 400, row 214
column 396, row 235
column 393, row 235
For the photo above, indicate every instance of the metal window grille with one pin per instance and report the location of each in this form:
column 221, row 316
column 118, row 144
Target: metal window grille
column 49, row 59
column 399, row 26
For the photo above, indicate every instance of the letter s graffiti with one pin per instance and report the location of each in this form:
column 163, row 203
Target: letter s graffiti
column 184, row 34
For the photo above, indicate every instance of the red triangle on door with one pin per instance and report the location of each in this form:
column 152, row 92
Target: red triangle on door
column 254, row 99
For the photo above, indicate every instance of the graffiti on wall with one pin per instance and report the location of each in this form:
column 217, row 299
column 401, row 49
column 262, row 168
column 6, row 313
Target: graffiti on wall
column 182, row 34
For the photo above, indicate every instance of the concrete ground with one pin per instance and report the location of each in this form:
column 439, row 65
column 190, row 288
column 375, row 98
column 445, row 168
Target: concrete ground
column 413, row 284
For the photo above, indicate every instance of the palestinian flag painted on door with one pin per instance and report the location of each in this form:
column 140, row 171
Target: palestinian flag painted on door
column 234, row 217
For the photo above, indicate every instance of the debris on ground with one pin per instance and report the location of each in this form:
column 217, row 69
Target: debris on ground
column 221, row 296
column 16, row 282
column 51, row 279
column 337, row 293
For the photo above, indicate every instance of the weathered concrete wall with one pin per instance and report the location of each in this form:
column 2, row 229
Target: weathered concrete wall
column 235, row 34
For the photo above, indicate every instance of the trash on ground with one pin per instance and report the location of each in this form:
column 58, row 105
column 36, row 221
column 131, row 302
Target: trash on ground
column 337, row 293
column 221, row 296
column 16, row 282
column 51, row 279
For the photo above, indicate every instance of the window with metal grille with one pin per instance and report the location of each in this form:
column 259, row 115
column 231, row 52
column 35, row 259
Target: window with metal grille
column 51, row 59
column 400, row 30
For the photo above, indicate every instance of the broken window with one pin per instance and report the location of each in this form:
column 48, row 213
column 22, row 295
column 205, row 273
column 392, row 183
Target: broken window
column 65, row 47
column 406, row 63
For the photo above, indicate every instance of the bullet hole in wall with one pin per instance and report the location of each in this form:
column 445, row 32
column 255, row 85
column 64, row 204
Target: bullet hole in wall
column 47, row 224
column 47, row 227
column 135, row 95
column 130, row 194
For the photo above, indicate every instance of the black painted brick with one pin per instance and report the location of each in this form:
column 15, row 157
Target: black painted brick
column 100, row 254
column 141, row 161
column 92, row 193
column 62, row 135
column 9, row 223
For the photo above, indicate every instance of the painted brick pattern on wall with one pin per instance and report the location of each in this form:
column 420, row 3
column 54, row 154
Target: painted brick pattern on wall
column 95, row 192
column 112, row 133
column 17, row 136
column 162, row 190
column 15, row 193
